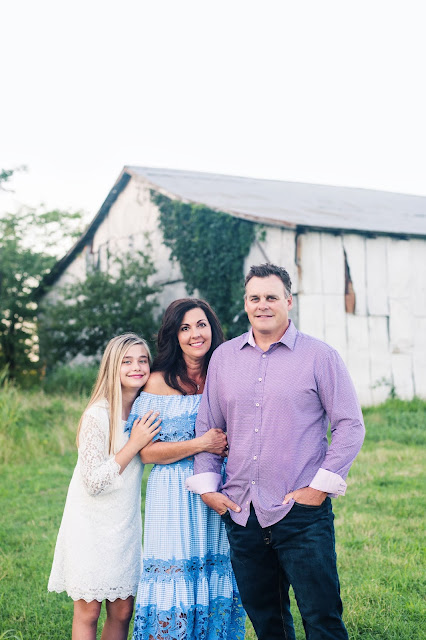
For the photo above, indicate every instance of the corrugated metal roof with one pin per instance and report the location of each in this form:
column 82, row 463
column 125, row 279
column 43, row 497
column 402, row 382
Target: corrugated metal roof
column 293, row 204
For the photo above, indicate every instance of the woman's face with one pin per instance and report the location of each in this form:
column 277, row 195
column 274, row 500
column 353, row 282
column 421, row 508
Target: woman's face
column 134, row 370
column 195, row 334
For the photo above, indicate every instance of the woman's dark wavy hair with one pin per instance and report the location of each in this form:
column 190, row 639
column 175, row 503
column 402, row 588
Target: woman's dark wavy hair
column 169, row 359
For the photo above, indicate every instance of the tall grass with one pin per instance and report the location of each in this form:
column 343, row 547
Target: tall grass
column 379, row 523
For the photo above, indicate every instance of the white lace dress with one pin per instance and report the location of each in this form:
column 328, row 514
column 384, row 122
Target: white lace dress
column 98, row 551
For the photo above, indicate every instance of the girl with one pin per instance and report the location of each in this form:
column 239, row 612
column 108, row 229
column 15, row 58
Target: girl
column 98, row 550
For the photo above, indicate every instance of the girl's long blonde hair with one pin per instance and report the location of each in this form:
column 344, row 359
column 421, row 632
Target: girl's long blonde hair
column 108, row 385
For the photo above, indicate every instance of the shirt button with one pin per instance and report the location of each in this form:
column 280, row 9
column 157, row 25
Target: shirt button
column 260, row 379
column 253, row 482
column 254, row 457
column 257, row 404
column 256, row 430
column 263, row 356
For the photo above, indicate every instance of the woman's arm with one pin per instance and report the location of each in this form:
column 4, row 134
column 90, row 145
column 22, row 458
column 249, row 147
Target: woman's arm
column 213, row 441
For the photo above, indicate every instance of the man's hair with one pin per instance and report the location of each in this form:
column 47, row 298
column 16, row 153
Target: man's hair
column 267, row 269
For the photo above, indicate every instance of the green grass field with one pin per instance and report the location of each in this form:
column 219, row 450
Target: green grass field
column 379, row 524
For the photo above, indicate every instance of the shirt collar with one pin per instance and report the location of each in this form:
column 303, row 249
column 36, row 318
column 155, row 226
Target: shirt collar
column 288, row 339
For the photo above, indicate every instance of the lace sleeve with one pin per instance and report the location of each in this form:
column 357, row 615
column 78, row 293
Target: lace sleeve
column 100, row 473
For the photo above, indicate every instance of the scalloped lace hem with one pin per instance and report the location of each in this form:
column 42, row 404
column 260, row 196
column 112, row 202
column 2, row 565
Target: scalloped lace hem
column 112, row 594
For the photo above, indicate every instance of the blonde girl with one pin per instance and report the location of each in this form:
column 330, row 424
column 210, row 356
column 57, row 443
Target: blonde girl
column 98, row 550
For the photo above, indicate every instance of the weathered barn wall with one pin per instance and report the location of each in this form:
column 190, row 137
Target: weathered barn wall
column 384, row 341
column 130, row 225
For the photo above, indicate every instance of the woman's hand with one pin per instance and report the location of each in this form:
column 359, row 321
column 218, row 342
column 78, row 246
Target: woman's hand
column 214, row 441
column 145, row 429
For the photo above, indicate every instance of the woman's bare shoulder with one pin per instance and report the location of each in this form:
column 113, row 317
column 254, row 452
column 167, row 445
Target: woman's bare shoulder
column 157, row 385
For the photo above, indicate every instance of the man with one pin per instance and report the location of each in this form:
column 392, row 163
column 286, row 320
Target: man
column 275, row 390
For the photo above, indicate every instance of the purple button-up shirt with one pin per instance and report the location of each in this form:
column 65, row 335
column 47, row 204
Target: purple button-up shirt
column 275, row 407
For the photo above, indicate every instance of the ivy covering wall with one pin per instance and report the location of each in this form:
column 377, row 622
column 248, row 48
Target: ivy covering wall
column 210, row 247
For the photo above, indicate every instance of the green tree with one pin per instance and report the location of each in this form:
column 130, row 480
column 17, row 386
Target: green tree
column 27, row 239
column 89, row 313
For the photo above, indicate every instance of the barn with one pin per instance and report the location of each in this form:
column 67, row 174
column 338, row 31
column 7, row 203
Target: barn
column 356, row 257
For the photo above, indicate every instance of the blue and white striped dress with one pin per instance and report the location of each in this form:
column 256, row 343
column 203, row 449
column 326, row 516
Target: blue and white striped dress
column 187, row 589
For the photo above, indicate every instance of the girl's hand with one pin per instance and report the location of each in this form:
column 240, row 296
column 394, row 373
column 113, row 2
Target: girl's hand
column 214, row 441
column 145, row 429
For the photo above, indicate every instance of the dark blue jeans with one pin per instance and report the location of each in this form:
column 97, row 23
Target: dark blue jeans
column 298, row 551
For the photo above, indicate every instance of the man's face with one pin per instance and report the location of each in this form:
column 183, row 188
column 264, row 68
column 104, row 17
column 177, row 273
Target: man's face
column 267, row 307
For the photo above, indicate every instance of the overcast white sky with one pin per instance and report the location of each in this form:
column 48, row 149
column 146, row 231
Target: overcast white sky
column 323, row 91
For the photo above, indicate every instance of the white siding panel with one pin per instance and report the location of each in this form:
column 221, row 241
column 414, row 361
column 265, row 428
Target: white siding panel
column 332, row 264
column 258, row 254
column 419, row 357
column 377, row 276
column 354, row 246
column 279, row 247
column 418, row 290
column 358, row 356
column 399, row 266
column 380, row 360
column 287, row 258
column 335, row 323
column 400, row 326
column 402, row 369
column 311, row 315
column 310, row 274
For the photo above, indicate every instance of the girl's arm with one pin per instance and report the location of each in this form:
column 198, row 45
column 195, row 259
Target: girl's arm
column 213, row 441
column 143, row 431
column 100, row 473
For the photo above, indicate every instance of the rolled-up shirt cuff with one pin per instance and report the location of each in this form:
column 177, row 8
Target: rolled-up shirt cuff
column 204, row 482
column 329, row 482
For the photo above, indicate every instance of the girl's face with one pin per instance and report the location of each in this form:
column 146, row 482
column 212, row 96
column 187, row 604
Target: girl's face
column 134, row 370
column 195, row 334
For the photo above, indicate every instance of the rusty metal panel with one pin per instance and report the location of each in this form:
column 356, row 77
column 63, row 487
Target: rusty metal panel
column 355, row 253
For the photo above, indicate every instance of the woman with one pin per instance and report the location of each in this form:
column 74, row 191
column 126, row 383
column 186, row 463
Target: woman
column 102, row 519
column 187, row 589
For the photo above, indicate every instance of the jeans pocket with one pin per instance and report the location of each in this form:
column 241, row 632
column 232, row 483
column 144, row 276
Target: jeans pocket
column 308, row 506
